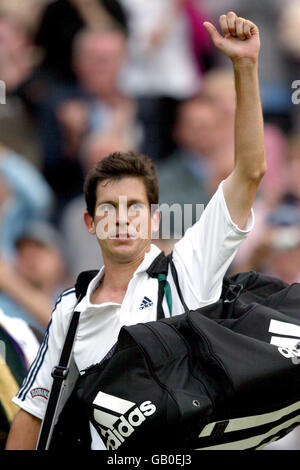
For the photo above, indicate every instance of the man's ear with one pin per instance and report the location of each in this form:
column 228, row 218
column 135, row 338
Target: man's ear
column 155, row 221
column 89, row 223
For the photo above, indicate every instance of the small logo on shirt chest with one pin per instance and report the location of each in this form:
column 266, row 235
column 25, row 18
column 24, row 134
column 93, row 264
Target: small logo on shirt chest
column 146, row 302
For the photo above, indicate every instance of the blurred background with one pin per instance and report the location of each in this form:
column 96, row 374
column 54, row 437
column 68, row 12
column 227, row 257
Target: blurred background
column 84, row 78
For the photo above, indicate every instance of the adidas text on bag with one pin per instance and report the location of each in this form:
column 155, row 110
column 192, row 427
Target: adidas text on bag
column 118, row 418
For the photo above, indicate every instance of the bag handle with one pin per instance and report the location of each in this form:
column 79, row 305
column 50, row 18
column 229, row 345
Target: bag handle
column 159, row 269
column 175, row 278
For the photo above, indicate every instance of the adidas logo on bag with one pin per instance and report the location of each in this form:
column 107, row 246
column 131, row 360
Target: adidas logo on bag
column 288, row 345
column 146, row 302
column 117, row 418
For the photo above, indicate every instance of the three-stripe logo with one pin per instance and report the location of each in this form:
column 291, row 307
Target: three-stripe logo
column 289, row 341
column 117, row 418
column 146, row 302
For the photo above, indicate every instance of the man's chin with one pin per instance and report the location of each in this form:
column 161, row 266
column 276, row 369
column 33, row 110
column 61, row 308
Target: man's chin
column 125, row 251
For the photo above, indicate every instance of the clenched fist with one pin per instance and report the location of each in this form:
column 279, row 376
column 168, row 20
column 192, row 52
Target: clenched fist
column 241, row 37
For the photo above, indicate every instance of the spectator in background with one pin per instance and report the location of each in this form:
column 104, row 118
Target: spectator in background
column 167, row 45
column 18, row 59
column 161, row 58
column 292, row 188
column 82, row 249
column 280, row 194
column 288, row 31
column 27, row 13
column 24, row 196
column 98, row 61
column 218, row 86
column 274, row 69
column 30, row 284
column 277, row 252
column 193, row 172
column 205, row 155
column 60, row 23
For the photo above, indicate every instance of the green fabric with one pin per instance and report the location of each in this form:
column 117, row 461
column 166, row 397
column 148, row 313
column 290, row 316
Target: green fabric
column 167, row 291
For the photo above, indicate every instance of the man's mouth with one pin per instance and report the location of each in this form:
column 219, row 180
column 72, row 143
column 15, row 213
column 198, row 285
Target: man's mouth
column 122, row 236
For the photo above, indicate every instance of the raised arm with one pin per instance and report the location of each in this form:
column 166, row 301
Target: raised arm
column 241, row 43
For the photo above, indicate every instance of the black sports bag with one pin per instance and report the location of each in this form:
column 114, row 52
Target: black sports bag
column 225, row 376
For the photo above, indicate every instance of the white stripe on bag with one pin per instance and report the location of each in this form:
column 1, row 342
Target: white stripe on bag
column 110, row 402
column 238, row 424
column 283, row 342
column 105, row 419
column 282, row 328
column 253, row 441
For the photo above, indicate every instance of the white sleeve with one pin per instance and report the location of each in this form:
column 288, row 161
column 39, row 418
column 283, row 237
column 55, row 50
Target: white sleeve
column 34, row 393
column 207, row 249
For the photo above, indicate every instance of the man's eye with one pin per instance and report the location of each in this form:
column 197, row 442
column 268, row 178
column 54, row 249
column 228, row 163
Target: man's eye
column 105, row 208
column 136, row 206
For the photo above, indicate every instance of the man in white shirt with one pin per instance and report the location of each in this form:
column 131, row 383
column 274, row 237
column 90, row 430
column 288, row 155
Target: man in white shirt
column 124, row 185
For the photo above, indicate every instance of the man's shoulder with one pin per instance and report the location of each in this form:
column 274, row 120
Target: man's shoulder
column 66, row 300
column 62, row 311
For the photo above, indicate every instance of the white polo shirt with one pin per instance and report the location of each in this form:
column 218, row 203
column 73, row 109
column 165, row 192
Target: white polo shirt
column 201, row 258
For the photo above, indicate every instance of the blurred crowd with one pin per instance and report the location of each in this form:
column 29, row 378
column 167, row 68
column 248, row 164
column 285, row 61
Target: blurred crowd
column 85, row 78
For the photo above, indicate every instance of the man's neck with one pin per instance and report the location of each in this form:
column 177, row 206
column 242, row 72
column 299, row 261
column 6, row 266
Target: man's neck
column 118, row 275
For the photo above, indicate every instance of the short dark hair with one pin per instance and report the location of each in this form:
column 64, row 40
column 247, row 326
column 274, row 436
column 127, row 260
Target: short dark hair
column 119, row 165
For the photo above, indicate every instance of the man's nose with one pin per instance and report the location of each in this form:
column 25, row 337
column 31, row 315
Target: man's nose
column 122, row 218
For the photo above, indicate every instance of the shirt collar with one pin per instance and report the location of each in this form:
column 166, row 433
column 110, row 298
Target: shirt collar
column 144, row 265
column 148, row 258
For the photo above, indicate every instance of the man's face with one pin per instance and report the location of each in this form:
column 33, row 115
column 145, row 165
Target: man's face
column 99, row 61
column 40, row 264
column 122, row 221
column 196, row 127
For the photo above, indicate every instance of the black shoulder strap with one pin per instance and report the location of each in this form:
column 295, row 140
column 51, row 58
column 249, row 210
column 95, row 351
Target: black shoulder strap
column 175, row 278
column 159, row 270
column 65, row 368
column 83, row 281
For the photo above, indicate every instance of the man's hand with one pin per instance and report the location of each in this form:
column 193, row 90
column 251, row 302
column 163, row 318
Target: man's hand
column 241, row 37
